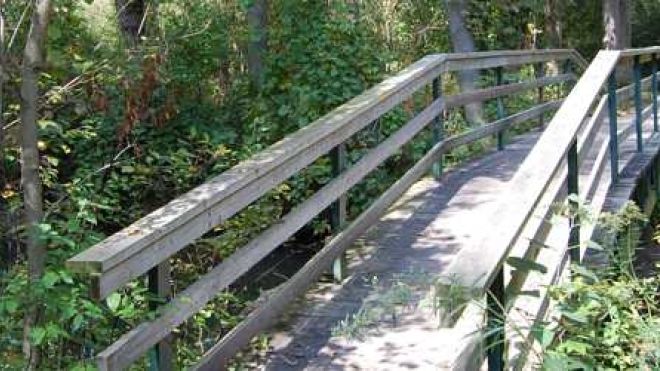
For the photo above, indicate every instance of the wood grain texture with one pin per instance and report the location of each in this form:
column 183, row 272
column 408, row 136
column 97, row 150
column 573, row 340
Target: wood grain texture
column 475, row 268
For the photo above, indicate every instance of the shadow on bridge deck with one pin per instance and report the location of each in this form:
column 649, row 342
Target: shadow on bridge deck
column 416, row 239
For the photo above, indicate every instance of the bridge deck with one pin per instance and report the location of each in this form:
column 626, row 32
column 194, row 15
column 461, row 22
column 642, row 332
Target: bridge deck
column 418, row 237
column 414, row 242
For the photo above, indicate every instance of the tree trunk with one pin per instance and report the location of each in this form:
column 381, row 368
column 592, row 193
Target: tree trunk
column 33, row 61
column 257, row 20
column 553, row 30
column 463, row 42
column 131, row 17
column 616, row 21
column 6, row 253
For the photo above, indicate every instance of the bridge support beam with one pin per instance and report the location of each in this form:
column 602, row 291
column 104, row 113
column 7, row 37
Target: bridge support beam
column 637, row 68
column 539, row 72
column 438, row 126
column 161, row 356
column 501, row 113
column 654, row 90
column 573, row 189
column 614, row 142
column 338, row 210
column 496, row 319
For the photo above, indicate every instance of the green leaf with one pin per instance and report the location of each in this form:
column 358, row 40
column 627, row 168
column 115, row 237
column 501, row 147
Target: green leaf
column 543, row 335
column 584, row 272
column 575, row 317
column 50, row 279
column 113, row 301
column 38, row 334
column 526, row 265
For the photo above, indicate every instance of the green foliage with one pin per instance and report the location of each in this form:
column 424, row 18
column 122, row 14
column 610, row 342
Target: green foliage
column 608, row 317
column 124, row 130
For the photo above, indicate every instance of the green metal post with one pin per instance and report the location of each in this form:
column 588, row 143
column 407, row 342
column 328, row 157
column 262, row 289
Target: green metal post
column 161, row 356
column 539, row 73
column 614, row 140
column 338, row 210
column 495, row 318
column 572, row 183
column 500, row 108
column 654, row 90
column 438, row 127
column 637, row 69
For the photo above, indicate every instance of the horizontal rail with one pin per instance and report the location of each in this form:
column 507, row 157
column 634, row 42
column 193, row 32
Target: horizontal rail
column 190, row 301
column 274, row 303
column 138, row 248
column 133, row 251
column 475, row 268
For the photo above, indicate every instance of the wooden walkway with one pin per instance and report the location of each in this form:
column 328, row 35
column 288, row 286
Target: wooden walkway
column 459, row 232
column 413, row 243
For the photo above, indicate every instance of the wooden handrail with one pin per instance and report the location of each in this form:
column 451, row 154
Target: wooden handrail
column 136, row 249
column 475, row 268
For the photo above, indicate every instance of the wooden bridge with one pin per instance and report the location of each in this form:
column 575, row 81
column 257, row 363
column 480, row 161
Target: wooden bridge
column 459, row 227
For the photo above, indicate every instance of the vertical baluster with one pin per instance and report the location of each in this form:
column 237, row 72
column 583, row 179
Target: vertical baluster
column 654, row 89
column 161, row 356
column 539, row 73
column 438, row 126
column 612, row 108
column 568, row 68
column 572, row 183
column 500, row 108
column 495, row 317
column 338, row 210
column 637, row 69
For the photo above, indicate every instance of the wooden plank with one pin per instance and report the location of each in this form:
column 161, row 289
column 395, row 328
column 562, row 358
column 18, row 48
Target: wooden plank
column 502, row 90
column 475, row 268
column 503, row 58
column 262, row 317
column 280, row 161
column 132, row 345
column 626, row 93
column 627, row 53
column 342, row 122
column 169, row 229
column 275, row 303
column 499, row 125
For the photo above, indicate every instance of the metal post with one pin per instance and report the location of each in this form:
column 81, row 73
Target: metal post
column 614, row 145
column 495, row 318
column 338, row 210
column 161, row 356
column 637, row 68
column 500, row 109
column 438, row 127
column 654, row 90
column 539, row 73
column 572, row 183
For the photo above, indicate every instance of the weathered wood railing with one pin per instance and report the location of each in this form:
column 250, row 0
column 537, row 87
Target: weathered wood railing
column 146, row 245
column 558, row 154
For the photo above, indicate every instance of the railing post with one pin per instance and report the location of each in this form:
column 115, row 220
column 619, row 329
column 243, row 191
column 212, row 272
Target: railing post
column 161, row 356
column 573, row 189
column 495, row 318
column 637, row 68
column 338, row 210
column 614, row 140
column 500, row 108
column 539, row 73
column 438, row 126
column 654, row 90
